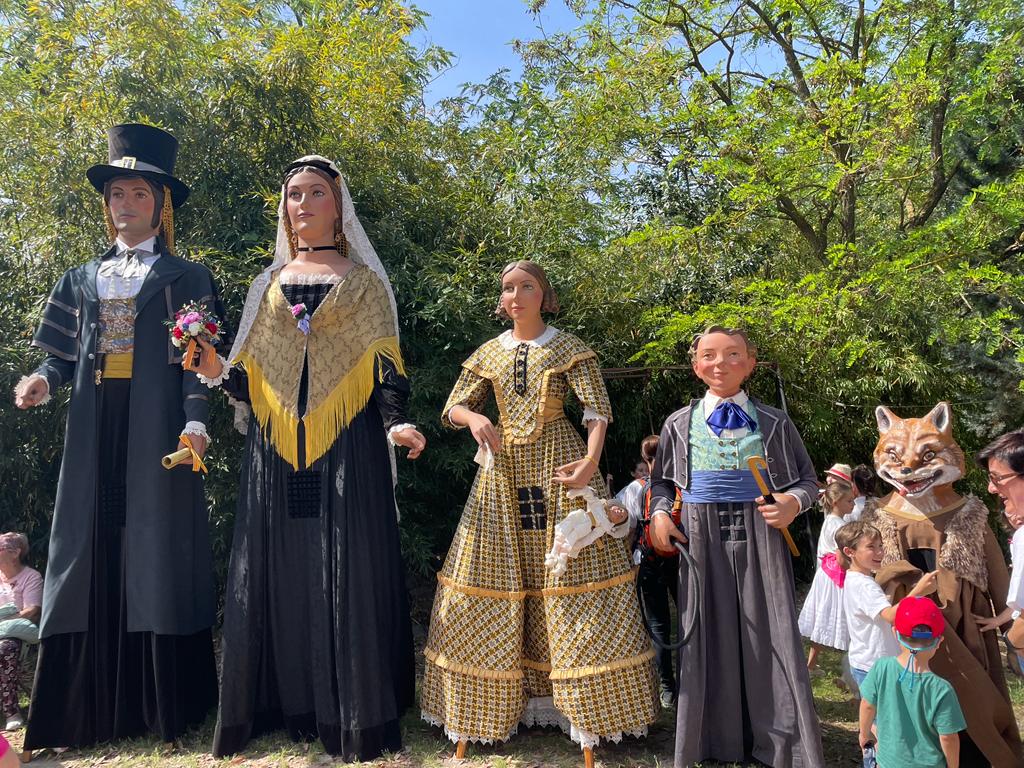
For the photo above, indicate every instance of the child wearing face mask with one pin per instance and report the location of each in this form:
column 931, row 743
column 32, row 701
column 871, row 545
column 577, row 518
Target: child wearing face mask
column 916, row 712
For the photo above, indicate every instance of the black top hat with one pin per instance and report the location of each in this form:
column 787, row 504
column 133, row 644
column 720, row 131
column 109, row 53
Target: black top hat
column 140, row 150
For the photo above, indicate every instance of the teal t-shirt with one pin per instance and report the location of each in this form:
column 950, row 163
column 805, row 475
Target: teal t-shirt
column 911, row 718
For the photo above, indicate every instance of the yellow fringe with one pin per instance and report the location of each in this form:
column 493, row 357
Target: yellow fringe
column 325, row 422
column 348, row 398
column 442, row 661
column 612, row 666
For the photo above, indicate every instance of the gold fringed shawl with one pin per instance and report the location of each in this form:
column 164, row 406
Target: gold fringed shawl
column 351, row 329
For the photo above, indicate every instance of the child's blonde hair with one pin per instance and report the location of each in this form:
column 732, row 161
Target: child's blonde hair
column 849, row 536
column 835, row 492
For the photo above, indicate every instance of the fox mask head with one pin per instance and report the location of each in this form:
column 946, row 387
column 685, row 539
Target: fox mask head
column 917, row 456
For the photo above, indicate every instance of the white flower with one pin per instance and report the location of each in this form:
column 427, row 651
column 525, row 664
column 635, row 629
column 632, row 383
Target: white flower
column 175, row 342
column 195, row 328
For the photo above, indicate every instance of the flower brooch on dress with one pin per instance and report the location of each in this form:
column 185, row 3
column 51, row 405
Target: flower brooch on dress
column 300, row 313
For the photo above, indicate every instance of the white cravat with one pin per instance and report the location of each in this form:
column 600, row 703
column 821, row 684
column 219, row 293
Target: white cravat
column 122, row 276
column 711, row 402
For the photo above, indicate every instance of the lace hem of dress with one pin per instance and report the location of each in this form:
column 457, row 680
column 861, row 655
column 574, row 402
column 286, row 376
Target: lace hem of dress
column 302, row 278
column 540, row 711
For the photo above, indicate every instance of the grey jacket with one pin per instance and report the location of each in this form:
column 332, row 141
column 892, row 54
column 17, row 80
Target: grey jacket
column 789, row 466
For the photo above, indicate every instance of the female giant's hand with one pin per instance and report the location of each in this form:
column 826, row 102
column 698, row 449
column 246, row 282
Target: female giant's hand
column 576, row 474
column 209, row 366
column 411, row 439
column 483, row 431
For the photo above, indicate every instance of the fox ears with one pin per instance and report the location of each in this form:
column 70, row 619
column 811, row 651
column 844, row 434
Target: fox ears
column 941, row 416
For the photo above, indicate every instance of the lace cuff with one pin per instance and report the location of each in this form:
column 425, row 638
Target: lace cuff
column 398, row 428
column 225, row 370
column 589, row 414
column 196, row 428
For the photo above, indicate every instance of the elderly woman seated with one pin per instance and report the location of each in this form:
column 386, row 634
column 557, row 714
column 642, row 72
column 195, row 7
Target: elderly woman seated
column 21, row 593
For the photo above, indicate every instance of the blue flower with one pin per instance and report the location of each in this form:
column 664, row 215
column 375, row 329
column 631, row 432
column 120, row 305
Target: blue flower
column 304, row 324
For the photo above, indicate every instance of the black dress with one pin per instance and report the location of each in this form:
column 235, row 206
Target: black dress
column 317, row 637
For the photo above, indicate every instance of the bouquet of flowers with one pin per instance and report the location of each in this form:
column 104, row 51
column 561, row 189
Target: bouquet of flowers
column 191, row 323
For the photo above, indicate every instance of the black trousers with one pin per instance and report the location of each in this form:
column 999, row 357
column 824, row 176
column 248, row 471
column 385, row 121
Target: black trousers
column 658, row 577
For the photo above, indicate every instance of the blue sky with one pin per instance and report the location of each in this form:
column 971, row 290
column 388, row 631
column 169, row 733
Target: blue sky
column 479, row 33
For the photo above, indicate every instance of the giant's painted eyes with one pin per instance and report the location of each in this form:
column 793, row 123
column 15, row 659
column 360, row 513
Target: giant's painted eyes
column 928, row 455
column 893, row 454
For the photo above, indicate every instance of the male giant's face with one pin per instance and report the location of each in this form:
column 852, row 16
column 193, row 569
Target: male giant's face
column 132, row 206
column 723, row 362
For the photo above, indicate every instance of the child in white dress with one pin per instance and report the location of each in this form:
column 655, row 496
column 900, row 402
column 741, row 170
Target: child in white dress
column 822, row 619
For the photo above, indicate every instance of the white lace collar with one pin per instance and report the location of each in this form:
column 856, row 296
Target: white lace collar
column 508, row 341
column 306, row 278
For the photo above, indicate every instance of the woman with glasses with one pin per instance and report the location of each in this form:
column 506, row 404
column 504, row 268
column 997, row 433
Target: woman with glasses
column 1003, row 460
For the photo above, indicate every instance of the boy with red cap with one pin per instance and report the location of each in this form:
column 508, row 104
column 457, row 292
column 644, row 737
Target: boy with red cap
column 917, row 714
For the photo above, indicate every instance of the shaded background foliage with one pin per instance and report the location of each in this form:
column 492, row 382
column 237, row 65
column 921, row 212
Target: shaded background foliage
column 843, row 178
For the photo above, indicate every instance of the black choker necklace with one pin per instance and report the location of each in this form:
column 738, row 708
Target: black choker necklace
column 307, row 249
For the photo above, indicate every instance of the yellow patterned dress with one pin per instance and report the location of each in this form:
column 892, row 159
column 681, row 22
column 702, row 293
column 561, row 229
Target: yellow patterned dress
column 508, row 642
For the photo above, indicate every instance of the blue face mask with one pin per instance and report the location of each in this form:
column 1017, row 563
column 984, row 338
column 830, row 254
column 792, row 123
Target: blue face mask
column 912, row 662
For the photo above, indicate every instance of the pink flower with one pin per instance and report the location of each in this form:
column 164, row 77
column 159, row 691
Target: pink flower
column 191, row 317
column 298, row 309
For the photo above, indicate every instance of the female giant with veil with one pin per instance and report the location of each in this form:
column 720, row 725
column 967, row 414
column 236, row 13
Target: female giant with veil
column 317, row 636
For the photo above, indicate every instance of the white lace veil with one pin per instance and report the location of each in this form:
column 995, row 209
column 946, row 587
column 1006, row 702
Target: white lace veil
column 359, row 250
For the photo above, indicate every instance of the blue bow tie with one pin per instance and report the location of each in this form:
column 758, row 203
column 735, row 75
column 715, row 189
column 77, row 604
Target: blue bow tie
column 728, row 415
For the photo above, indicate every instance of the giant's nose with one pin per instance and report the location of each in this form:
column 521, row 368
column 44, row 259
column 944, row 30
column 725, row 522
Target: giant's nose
column 906, row 470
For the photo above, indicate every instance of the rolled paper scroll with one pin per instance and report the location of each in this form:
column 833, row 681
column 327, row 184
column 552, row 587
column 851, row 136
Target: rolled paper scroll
column 176, row 458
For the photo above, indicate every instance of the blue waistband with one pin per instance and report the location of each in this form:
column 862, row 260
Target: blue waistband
column 708, row 487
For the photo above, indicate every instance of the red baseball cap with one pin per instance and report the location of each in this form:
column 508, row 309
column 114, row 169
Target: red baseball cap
column 920, row 618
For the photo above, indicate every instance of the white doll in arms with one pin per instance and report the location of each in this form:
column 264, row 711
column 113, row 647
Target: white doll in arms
column 582, row 527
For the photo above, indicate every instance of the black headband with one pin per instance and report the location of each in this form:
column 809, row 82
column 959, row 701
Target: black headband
column 320, row 165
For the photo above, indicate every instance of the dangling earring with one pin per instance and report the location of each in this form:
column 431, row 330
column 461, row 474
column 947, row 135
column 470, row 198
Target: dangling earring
column 167, row 220
column 293, row 240
column 340, row 242
column 109, row 221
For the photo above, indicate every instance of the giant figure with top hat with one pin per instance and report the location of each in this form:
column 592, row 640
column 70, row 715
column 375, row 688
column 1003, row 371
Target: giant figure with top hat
column 128, row 602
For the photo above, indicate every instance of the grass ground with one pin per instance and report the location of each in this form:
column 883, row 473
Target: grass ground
column 427, row 747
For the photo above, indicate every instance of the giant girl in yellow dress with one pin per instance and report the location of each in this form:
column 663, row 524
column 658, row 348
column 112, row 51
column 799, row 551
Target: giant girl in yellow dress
column 509, row 641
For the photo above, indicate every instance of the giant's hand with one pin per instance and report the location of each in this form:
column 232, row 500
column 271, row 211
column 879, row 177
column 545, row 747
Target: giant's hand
column 782, row 512
column 575, row 474
column 198, row 444
column 483, row 431
column 663, row 531
column 411, row 439
column 30, row 391
column 209, row 366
